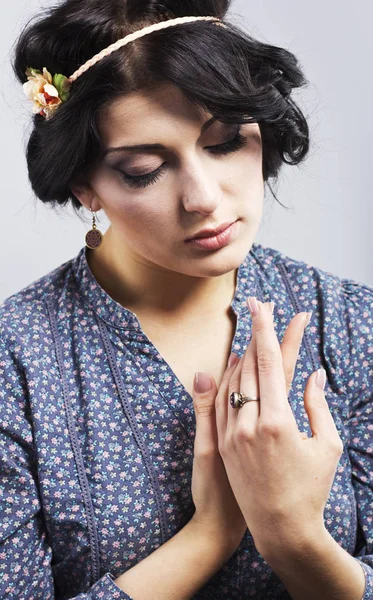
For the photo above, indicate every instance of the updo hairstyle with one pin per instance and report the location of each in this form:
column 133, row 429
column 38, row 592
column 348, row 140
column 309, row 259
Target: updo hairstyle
column 222, row 70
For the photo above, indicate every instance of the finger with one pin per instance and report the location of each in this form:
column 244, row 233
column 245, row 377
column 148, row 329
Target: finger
column 221, row 404
column 206, row 439
column 244, row 379
column 320, row 418
column 290, row 346
column 272, row 386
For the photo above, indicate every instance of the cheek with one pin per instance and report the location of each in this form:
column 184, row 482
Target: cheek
column 140, row 220
column 247, row 165
column 244, row 175
column 246, row 180
column 253, row 158
column 140, row 216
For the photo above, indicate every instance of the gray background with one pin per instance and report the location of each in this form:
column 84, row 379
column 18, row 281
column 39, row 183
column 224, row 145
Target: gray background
column 331, row 215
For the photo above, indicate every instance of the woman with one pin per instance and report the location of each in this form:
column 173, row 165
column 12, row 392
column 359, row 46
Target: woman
column 120, row 478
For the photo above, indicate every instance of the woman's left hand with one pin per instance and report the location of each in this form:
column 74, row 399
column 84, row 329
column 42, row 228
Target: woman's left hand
column 281, row 478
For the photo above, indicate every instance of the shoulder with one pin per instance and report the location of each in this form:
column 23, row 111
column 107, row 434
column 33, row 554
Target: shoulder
column 25, row 312
column 342, row 321
column 270, row 258
column 306, row 277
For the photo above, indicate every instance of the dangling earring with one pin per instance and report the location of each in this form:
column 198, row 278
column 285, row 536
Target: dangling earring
column 94, row 237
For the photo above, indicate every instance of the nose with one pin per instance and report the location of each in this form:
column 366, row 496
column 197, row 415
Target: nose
column 201, row 191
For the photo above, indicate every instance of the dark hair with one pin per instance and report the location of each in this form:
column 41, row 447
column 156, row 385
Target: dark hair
column 222, row 70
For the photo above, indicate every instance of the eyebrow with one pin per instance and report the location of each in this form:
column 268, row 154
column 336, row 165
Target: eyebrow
column 147, row 147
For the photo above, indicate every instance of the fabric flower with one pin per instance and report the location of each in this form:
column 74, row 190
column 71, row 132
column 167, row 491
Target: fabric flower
column 46, row 92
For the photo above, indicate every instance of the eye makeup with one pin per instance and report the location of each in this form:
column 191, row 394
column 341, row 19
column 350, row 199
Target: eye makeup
column 143, row 181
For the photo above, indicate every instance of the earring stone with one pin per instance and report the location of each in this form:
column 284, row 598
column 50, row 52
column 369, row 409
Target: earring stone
column 94, row 237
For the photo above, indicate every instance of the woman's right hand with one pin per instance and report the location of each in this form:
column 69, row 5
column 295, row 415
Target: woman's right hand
column 217, row 512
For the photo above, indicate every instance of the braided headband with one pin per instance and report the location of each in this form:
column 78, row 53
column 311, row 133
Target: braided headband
column 48, row 92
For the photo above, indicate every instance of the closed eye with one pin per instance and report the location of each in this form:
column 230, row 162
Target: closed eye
column 142, row 181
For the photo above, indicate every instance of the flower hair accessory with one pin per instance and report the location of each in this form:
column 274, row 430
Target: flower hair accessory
column 48, row 92
column 45, row 91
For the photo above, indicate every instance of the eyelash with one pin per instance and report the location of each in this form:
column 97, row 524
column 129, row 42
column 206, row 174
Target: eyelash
column 142, row 181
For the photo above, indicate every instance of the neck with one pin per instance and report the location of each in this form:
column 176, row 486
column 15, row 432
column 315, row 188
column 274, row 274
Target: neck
column 148, row 290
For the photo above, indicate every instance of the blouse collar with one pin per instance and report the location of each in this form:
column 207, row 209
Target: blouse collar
column 117, row 315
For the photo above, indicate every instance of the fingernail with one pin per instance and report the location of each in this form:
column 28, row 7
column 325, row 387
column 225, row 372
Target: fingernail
column 272, row 307
column 232, row 360
column 308, row 319
column 202, row 383
column 321, row 379
column 253, row 305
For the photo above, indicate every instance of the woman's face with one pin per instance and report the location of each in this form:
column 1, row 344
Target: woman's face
column 156, row 198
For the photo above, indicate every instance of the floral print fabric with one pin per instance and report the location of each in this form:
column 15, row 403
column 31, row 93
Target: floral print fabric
column 97, row 432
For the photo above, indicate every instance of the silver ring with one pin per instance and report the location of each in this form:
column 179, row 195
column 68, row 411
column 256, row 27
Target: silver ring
column 237, row 399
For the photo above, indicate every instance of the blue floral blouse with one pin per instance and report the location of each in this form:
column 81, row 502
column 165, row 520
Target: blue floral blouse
column 97, row 432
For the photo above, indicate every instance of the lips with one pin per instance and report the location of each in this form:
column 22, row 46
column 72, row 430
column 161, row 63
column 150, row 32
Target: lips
column 205, row 233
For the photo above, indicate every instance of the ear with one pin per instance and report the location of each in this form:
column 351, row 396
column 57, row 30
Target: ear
column 86, row 196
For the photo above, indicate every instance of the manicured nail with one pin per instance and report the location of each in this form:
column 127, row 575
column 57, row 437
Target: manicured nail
column 321, row 379
column 308, row 319
column 202, row 383
column 253, row 305
column 232, row 360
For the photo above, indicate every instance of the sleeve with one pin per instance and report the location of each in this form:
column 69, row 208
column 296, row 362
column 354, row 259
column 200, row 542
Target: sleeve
column 25, row 556
column 358, row 307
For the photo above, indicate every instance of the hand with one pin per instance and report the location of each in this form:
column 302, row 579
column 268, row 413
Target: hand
column 217, row 511
column 281, row 479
